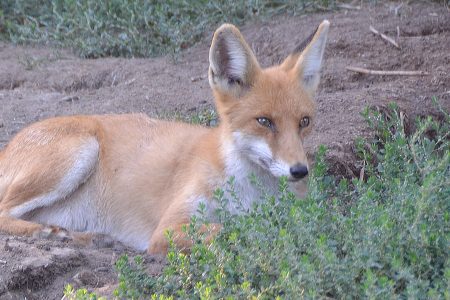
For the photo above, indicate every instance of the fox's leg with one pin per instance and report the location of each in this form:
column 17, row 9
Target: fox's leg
column 39, row 177
column 159, row 243
column 19, row 227
column 174, row 220
column 15, row 226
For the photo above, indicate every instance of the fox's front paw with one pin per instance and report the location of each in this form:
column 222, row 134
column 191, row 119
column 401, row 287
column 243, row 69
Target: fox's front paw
column 96, row 240
column 52, row 233
column 158, row 247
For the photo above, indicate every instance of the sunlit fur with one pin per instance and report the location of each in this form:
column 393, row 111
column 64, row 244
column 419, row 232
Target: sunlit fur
column 132, row 177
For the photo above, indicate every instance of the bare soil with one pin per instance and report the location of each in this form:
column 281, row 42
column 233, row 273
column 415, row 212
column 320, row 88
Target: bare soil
column 41, row 82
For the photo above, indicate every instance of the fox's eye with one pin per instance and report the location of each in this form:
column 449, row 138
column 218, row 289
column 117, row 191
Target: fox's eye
column 304, row 122
column 265, row 122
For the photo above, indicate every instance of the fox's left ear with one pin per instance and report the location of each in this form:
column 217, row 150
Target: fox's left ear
column 306, row 60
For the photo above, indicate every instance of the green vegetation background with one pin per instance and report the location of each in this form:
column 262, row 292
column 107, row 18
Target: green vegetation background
column 131, row 28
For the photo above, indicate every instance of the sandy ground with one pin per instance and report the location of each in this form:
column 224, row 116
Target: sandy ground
column 40, row 82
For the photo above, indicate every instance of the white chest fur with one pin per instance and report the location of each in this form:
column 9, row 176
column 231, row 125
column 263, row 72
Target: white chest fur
column 245, row 181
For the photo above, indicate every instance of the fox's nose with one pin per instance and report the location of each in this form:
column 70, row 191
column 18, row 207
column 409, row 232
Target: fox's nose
column 299, row 171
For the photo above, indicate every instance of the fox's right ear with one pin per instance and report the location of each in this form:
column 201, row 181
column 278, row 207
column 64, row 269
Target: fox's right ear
column 232, row 64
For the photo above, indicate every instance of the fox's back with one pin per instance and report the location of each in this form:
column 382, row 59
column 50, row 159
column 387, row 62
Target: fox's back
column 143, row 155
column 122, row 139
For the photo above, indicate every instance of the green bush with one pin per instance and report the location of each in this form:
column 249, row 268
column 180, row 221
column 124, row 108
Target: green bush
column 81, row 294
column 130, row 28
column 381, row 236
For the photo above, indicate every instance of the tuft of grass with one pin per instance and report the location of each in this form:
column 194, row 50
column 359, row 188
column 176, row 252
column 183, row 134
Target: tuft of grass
column 131, row 28
column 206, row 117
column 380, row 237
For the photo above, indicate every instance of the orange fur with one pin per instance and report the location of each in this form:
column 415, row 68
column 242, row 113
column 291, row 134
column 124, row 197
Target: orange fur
column 133, row 177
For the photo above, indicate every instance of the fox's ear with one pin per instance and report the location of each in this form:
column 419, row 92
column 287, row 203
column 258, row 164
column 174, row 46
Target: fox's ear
column 232, row 64
column 306, row 60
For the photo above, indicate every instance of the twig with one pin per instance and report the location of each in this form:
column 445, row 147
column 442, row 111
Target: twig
column 413, row 149
column 361, row 175
column 384, row 37
column 397, row 8
column 348, row 6
column 381, row 72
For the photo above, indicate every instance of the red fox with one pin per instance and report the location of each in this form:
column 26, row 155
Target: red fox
column 132, row 177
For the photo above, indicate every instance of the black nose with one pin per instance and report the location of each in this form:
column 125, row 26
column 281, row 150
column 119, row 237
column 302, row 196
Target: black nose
column 299, row 171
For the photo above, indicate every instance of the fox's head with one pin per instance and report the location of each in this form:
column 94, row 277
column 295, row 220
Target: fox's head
column 269, row 111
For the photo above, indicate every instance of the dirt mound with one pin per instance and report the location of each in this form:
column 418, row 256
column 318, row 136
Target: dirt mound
column 38, row 82
column 39, row 269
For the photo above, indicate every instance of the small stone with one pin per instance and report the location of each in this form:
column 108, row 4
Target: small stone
column 71, row 98
column 7, row 247
column 86, row 277
column 197, row 78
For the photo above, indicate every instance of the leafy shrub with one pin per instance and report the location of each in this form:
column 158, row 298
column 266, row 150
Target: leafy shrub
column 385, row 236
column 81, row 294
column 129, row 28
